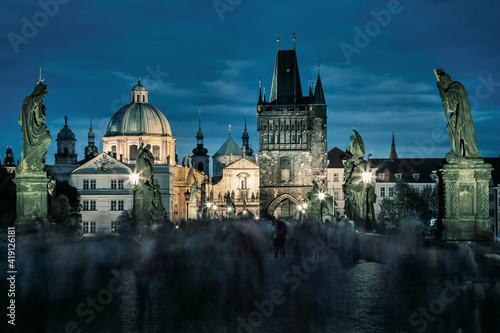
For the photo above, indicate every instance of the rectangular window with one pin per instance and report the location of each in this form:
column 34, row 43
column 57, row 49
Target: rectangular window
column 113, row 205
column 335, row 177
column 85, row 227
column 336, row 194
column 120, row 205
column 85, row 205
column 492, row 198
column 382, row 191
column 120, row 184
column 492, row 212
column 92, row 205
column 92, row 227
column 92, row 184
column 113, row 184
column 391, row 191
column 85, row 184
column 381, row 176
column 113, row 226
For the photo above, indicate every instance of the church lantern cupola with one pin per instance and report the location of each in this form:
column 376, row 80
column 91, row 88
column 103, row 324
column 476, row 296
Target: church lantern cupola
column 91, row 150
column 66, row 145
column 139, row 93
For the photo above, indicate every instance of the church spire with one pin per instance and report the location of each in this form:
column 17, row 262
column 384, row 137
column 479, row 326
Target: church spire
column 393, row 155
column 91, row 150
column 199, row 150
column 246, row 138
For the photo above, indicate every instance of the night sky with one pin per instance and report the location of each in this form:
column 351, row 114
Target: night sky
column 192, row 56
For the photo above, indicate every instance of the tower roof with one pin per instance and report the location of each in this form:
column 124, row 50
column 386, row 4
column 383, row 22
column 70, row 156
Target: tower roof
column 66, row 133
column 319, row 96
column 393, row 155
column 286, row 88
column 8, row 160
column 139, row 87
column 229, row 147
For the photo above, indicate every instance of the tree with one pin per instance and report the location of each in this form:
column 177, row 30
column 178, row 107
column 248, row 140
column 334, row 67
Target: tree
column 408, row 203
column 7, row 198
column 60, row 208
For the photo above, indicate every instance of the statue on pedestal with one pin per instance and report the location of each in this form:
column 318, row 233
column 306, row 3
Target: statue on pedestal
column 458, row 113
column 32, row 184
column 465, row 177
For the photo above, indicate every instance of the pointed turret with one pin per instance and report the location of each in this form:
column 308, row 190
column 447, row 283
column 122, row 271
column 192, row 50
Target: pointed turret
column 319, row 96
column 311, row 95
column 200, row 150
column 393, row 155
column 91, row 150
column 260, row 92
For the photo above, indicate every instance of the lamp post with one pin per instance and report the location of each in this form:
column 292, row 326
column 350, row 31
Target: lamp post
column 367, row 178
column 209, row 205
column 229, row 212
column 215, row 209
column 321, row 197
column 299, row 207
column 187, row 195
column 134, row 180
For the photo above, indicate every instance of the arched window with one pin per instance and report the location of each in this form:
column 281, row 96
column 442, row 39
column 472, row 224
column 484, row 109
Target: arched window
column 66, row 151
column 113, row 150
column 143, row 98
column 133, row 98
column 200, row 166
column 132, row 152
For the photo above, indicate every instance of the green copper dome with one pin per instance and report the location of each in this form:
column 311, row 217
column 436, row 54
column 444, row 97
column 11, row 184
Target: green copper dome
column 138, row 119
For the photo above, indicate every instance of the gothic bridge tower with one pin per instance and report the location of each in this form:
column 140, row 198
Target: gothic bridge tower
column 292, row 139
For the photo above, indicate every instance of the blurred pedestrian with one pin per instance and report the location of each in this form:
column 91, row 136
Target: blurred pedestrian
column 279, row 230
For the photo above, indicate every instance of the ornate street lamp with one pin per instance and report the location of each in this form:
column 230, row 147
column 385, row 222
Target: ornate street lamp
column 187, row 195
column 134, row 181
column 215, row 210
column 367, row 178
column 299, row 207
column 209, row 205
column 229, row 212
column 321, row 197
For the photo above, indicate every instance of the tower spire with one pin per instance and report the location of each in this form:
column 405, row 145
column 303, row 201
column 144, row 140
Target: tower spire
column 246, row 150
column 294, row 39
column 229, row 129
column 393, row 155
column 319, row 95
column 199, row 120
column 278, row 41
column 260, row 91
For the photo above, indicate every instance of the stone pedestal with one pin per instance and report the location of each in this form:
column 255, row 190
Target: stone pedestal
column 466, row 189
column 32, row 199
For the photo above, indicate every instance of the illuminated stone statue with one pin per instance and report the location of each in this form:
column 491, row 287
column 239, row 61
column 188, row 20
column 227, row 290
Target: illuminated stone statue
column 36, row 136
column 32, row 184
column 458, row 113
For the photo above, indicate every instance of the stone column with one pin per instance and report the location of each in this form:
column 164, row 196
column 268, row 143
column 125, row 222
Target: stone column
column 32, row 200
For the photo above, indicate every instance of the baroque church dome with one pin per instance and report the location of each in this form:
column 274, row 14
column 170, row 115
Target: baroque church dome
column 139, row 117
column 65, row 133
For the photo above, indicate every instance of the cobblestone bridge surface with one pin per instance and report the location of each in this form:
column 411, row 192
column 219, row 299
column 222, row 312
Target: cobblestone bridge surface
column 361, row 286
